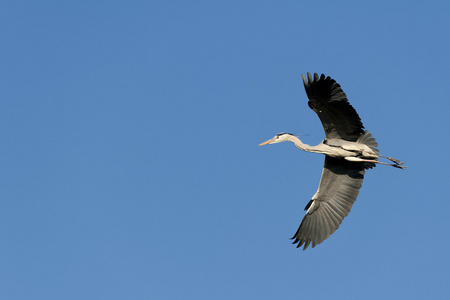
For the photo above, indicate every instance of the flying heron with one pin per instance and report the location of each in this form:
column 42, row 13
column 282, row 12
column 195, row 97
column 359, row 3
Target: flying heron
column 349, row 151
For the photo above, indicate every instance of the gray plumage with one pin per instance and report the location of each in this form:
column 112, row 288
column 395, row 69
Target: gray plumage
column 349, row 151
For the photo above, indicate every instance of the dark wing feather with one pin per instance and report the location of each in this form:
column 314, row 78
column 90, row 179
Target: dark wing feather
column 338, row 189
column 338, row 117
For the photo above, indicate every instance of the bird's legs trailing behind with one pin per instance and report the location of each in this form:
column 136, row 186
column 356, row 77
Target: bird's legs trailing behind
column 396, row 162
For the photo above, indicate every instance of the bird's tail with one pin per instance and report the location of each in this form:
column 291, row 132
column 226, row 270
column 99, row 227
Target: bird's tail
column 367, row 139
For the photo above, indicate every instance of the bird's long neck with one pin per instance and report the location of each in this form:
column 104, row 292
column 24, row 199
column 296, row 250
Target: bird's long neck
column 300, row 145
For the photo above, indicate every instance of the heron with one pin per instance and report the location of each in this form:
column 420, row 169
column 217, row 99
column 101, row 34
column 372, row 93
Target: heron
column 349, row 151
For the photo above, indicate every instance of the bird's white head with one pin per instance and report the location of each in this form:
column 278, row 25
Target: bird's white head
column 281, row 137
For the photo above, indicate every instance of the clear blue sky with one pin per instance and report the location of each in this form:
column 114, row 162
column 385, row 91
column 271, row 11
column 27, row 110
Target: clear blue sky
column 129, row 163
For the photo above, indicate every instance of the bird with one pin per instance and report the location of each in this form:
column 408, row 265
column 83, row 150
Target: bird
column 349, row 150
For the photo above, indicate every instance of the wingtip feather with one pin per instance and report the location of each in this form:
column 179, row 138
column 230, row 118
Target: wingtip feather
column 305, row 83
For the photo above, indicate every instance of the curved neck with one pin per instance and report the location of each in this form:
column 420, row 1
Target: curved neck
column 300, row 145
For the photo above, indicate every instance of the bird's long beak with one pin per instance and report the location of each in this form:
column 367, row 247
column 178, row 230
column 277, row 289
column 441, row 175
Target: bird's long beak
column 266, row 142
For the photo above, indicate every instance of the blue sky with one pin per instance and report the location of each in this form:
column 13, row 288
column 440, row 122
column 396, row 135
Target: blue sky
column 129, row 160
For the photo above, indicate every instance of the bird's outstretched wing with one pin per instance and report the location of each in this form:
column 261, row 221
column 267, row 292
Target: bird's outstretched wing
column 338, row 189
column 338, row 117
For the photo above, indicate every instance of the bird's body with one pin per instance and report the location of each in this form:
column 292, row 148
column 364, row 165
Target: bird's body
column 348, row 150
column 335, row 148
